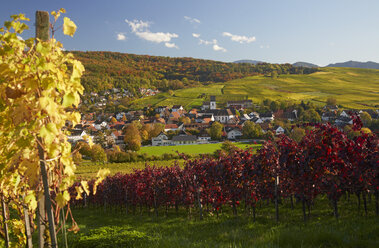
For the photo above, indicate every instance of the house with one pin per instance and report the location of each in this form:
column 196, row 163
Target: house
column 203, row 137
column 279, row 130
column 289, row 115
column 76, row 135
column 160, row 140
column 177, row 108
column 269, row 116
column 206, row 105
column 159, row 109
column 172, row 127
column 240, row 104
column 330, row 108
column 223, row 115
column 343, row 120
column 184, row 139
column 328, row 116
column 234, row 134
column 245, row 117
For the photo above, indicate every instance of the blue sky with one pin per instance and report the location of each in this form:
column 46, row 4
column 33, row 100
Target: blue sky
column 277, row 31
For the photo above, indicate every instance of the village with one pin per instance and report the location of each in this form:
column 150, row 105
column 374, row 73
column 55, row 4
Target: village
column 181, row 127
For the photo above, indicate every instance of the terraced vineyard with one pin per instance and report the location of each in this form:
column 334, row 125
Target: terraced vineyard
column 353, row 88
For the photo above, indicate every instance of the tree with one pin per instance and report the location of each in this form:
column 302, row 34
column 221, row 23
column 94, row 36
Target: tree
column 366, row 118
column 216, row 130
column 331, row 101
column 252, row 130
column 274, row 74
column 310, row 115
column 98, row 154
column 132, row 137
column 297, row 134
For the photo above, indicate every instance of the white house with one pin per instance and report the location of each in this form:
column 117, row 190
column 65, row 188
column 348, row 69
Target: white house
column 234, row 134
column 267, row 116
column 76, row 135
column 160, row 140
column 223, row 115
column 279, row 130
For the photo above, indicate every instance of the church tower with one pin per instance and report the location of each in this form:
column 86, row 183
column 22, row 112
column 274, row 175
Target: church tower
column 213, row 102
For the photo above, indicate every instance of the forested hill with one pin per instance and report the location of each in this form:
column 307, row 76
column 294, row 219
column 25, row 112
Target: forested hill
column 105, row 70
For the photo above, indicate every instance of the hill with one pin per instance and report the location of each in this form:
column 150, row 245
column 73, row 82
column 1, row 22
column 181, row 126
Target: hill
column 305, row 64
column 248, row 61
column 356, row 64
column 353, row 88
column 106, row 70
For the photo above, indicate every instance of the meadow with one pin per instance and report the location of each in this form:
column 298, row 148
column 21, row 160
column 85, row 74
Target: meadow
column 115, row 228
column 191, row 149
column 351, row 87
column 87, row 169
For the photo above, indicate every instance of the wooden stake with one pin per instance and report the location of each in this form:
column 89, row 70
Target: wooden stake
column 42, row 32
column 5, row 218
column 29, row 241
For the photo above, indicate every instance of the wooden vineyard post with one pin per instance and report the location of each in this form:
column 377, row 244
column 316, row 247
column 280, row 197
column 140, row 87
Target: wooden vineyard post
column 29, row 242
column 5, row 218
column 276, row 199
column 42, row 33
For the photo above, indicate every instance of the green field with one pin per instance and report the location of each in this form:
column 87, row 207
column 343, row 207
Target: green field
column 353, row 88
column 189, row 149
column 88, row 170
column 115, row 228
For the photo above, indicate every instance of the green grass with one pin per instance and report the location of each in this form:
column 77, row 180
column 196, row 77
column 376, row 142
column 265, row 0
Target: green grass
column 88, row 170
column 189, row 149
column 353, row 88
column 115, row 228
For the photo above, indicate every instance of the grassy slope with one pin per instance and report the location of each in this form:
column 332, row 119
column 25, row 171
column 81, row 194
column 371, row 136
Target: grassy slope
column 188, row 149
column 177, row 230
column 353, row 88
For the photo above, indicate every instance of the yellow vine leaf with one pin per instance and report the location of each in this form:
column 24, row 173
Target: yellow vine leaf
column 85, row 186
column 79, row 192
column 69, row 27
column 62, row 198
column 31, row 201
column 101, row 175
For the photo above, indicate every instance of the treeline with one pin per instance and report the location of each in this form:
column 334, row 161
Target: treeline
column 105, row 70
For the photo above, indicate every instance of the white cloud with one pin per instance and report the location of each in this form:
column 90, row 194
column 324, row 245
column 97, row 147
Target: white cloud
column 137, row 25
column 218, row 48
column 19, row 37
column 206, row 42
column 215, row 46
column 192, row 20
column 239, row 38
column 156, row 37
column 141, row 29
column 195, row 35
column 121, row 36
column 171, row 45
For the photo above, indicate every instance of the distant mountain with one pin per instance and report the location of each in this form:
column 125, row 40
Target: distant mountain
column 254, row 62
column 305, row 64
column 356, row 64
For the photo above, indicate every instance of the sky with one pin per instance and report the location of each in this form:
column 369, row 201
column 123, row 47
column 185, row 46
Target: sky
column 275, row 31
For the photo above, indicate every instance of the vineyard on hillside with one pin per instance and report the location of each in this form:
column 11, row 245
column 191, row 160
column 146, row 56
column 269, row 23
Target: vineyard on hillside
column 325, row 162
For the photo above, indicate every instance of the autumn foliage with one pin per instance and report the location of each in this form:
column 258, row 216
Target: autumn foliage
column 325, row 161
